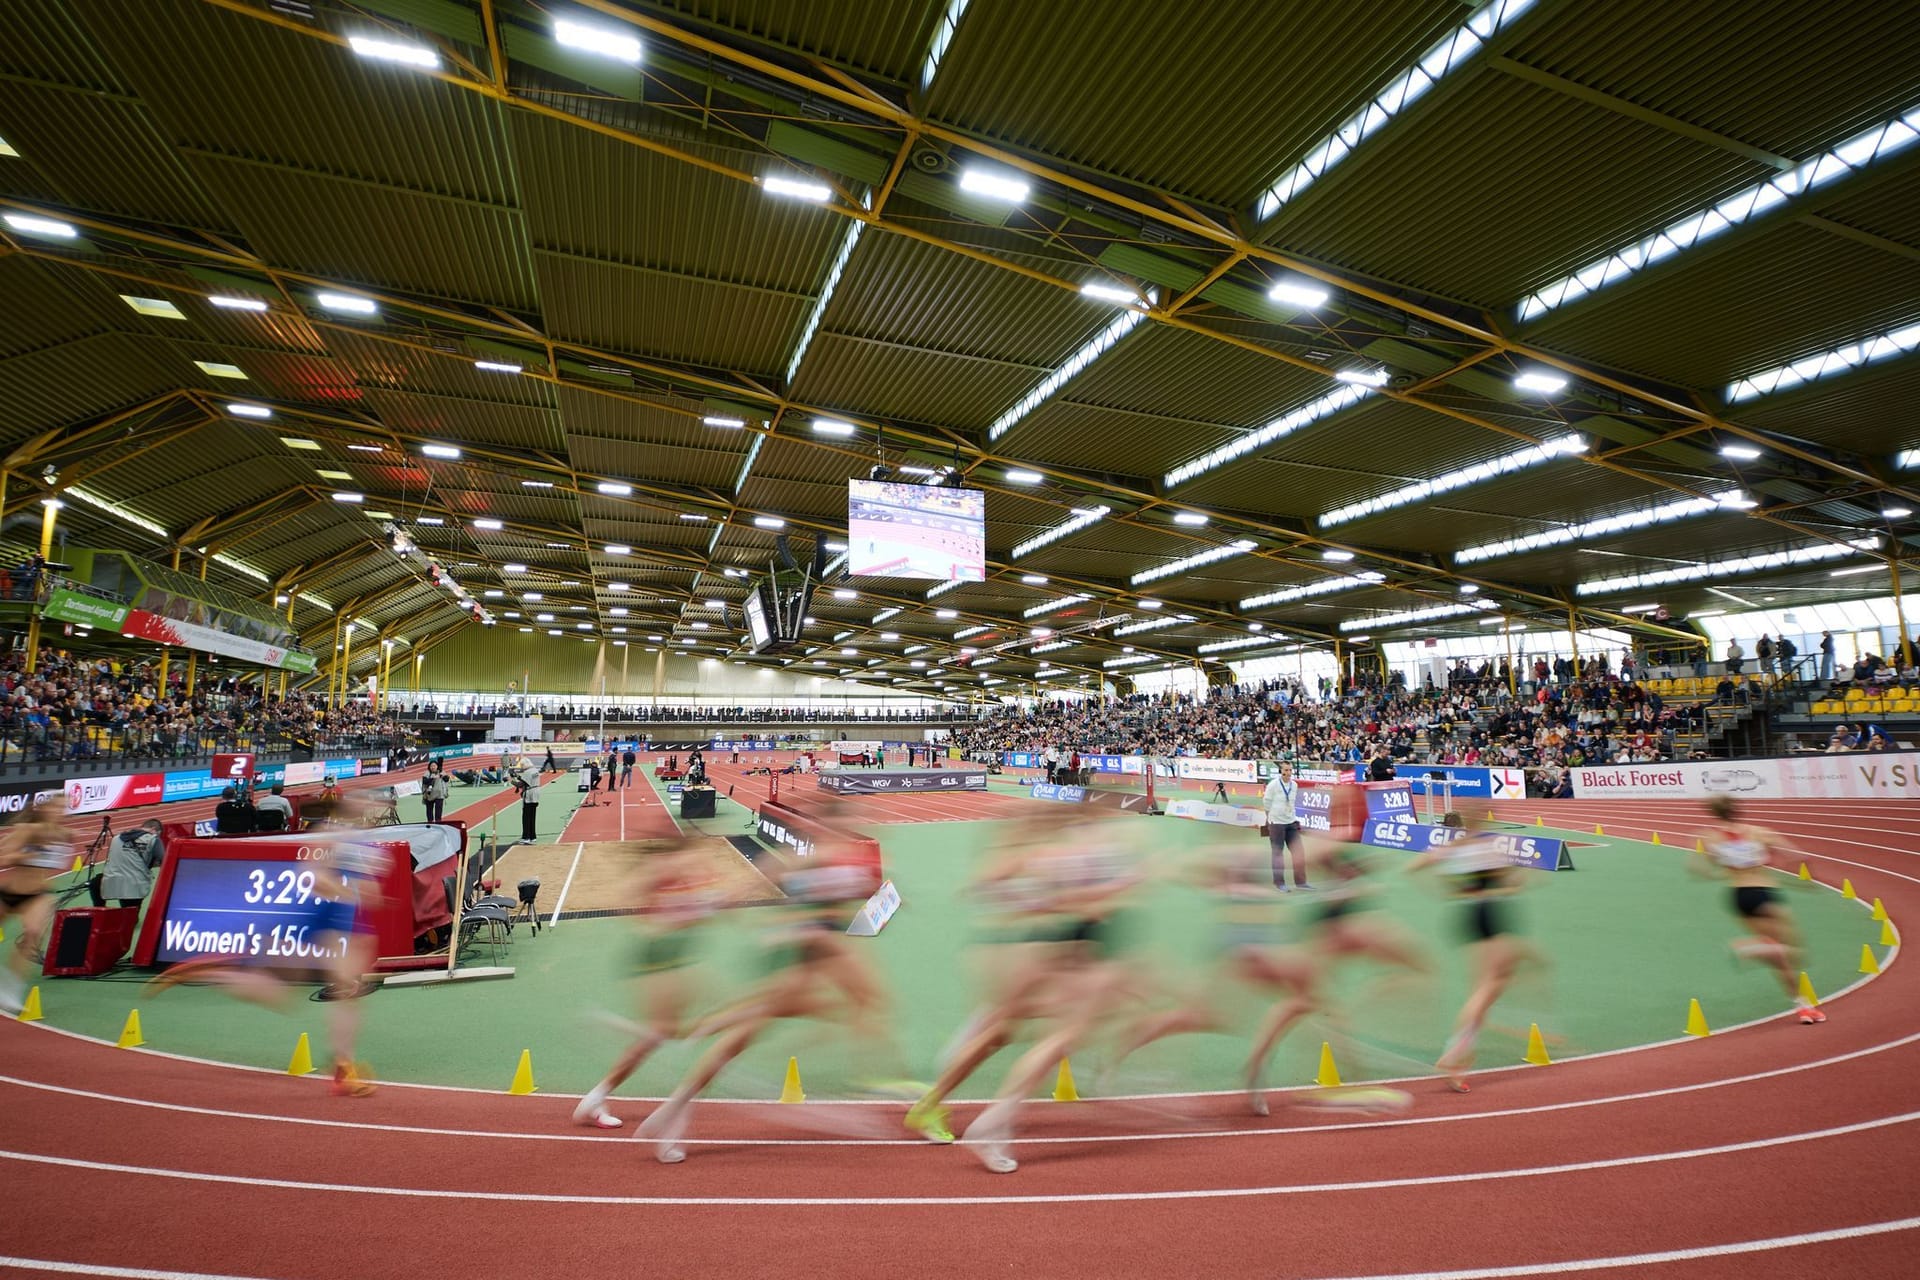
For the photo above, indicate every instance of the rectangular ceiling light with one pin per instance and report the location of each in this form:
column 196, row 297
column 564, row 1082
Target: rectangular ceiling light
column 296, row 442
column 1052, row 606
column 1095, row 347
column 617, row 549
column 1015, row 475
column 766, row 522
column 1857, row 152
column 1053, row 646
column 496, row 366
column 1279, row 428
column 1300, row 293
column 884, row 614
column 491, row 525
column 1729, row 568
column 965, row 632
column 428, row 520
column 729, row 424
column 1110, row 293
column 157, row 308
column 818, row 192
column 1248, row 642
column 1638, row 518
column 1211, row 555
column 1083, row 517
column 536, row 484
column 608, row 44
column 440, row 450
column 1440, row 60
column 218, row 369
column 832, row 427
column 1363, row 377
column 1544, row 383
column 1152, row 624
column 997, row 186
column 1416, row 615
column 1505, row 464
column 614, row 489
column 334, row 475
column 1825, row 364
column 348, row 303
column 259, row 411
column 1132, row 661
column 51, row 228
column 228, row 302
column 367, row 448
column 406, row 54
column 1325, row 586
column 350, row 497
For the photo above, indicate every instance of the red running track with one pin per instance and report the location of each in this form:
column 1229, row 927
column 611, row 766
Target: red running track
column 1774, row 1148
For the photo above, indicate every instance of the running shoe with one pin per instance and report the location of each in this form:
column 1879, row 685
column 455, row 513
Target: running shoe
column 666, row 1126
column 988, row 1135
column 930, row 1122
column 1810, row 1016
column 595, row 1117
column 185, row 971
column 348, row 1082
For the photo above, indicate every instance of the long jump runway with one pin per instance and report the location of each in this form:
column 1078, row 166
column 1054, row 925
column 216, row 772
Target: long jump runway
column 133, row 1163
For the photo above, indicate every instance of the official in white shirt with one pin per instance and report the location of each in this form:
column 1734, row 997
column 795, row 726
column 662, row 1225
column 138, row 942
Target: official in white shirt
column 1283, row 829
column 528, row 780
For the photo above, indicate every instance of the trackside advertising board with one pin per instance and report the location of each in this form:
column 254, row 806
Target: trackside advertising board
column 1851, row 775
column 1536, row 852
column 1465, row 782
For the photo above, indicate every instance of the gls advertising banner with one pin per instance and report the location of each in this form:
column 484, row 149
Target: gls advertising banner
column 1537, row 852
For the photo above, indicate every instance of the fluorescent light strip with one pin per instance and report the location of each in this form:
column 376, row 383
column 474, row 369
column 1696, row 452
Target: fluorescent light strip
column 854, row 227
column 942, row 37
column 1416, row 615
column 1110, row 293
column 1051, row 606
column 1506, row 464
column 496, row 366
column 1855, row 153
column 941, row 588
column 1444, row 57
column 50, row 227
column 1882, row 346
column 611, row 44
column 964, row 632
column 1728, row 568
column 115, row 509
column 884, row 614
column 1212, row 555
column 1324, row 586
column 1082, row 518
column 1250, row 642
column 1285, row 425
column 412, row 55
column 1053, row 645
column 1098, row 346
column 1639, row 518
column 995, row 185
column 1153, row 624
column 228, row 302
column 348, row 303
column 817, row 192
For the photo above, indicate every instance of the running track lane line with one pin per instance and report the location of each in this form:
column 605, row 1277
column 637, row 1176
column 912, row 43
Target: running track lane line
column 1398, row 1122
column 1096, row 1197
column 578, row 849
column 1562, row 1267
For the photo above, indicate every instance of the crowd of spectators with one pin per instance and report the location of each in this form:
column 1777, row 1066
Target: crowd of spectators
column 686, row 715
column 75, row 707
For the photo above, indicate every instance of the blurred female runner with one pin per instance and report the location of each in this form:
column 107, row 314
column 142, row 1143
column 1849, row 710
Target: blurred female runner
column 338, row 932
column 812, row 969
column 1087, row 886
column 678, row 892
column 1742, row 853
column 33, row 850
column 1481, row 878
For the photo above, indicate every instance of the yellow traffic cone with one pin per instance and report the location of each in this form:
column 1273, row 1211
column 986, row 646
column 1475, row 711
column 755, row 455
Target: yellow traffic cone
column 1806, row 990
column 1536, row 1047
column 1656, row 837
column 1879, row 911
column 1063, row 1090
column 1867, row 963
column 78, row 864
column 1329, row 1077
column 1539, row 821
column 523, row 1074
column 30, row 1011
column 130, row 1037
column 1804, row 873
column 1597, row 831
column 1696, row 1020
column 1699, row 845
column 1846, row 891
column 1887, row 938
column 302, row 1061
column 790, row 1090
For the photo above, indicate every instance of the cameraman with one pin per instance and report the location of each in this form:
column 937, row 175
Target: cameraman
column 233, row 816
column 131, row 861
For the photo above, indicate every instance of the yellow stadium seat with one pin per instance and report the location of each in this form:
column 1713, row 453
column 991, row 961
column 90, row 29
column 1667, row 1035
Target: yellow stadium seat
column 1856, row 695
column 1899, row 706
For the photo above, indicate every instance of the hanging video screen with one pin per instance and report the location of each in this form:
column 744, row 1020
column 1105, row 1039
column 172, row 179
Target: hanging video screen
column 916, row 531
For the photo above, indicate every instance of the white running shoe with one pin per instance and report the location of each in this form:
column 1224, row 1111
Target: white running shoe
column 596, row 1117
column 666, row 1126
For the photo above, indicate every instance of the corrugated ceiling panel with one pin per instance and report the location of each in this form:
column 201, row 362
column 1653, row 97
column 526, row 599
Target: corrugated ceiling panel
column 1792, row 292
column 889, row 37
column 1442, row 200
column 80, row 379
column 1239, row 94
column 393, row 367
column 675, row 317
column 627, row 418
column 1081, row 436
column 48, row 305
column 877, row 379
column 703, row 463
column 1868, row 410
column 1889, row 208
column 460, row 419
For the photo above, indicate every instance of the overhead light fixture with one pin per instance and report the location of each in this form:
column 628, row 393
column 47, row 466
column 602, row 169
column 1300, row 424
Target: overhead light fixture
column 496, row 366
column 617, row 45
column 1082, row 518
column 220, row 369
column 1848, row 573
column 1152, row 624
column 998, row 186
column 349, row 497
column 231, row 302
column 1034, row 579
column 948, row 615
column 367, row 448
column 1739, row 452
column 884, row 614
column 1415, row 615
column 1336, row 555
column 440, row 450
column 1363, row 377
column 1279, row 428
column 326, row 474
column 835, row 546
column 1210, row 556
column 1638, row 518
column 535, row 596
column 1325, row 586
column 428, row 520
column 1505, row 464
column 1110, row 293
column 730, row 424
column 249, row 411
column 614, row 489
column 493, row 593
column 1871, row 350
column 382, row 50
column 1189, row 518
column 1091, row 350
column 1246, row 642
column 817, row 192
column 153, row 308
column 845, row 593
column 1728, row 568
column 490, row 525
column 1300, row 294
column 617, row 549
column 513, row 568
column 1150, row 604
column 832, row 427
column 1052, row 606
column 1897, row 513
column 688, row 515
column 536, row 484
column 347, row 303
column 1545, row 383
column 766, row 522
column 1018, row 476
column 48, row 227
column 1638, row 608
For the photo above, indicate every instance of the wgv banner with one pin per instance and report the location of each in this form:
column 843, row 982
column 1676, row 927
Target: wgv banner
column 1537, row 852
column 871, row 783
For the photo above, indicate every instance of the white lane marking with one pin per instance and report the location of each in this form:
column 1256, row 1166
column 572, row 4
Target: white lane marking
column 117, row 1273
column 577, row 850
column 1571, row 1265
column 1099, row 1197
column 1541, row 1108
